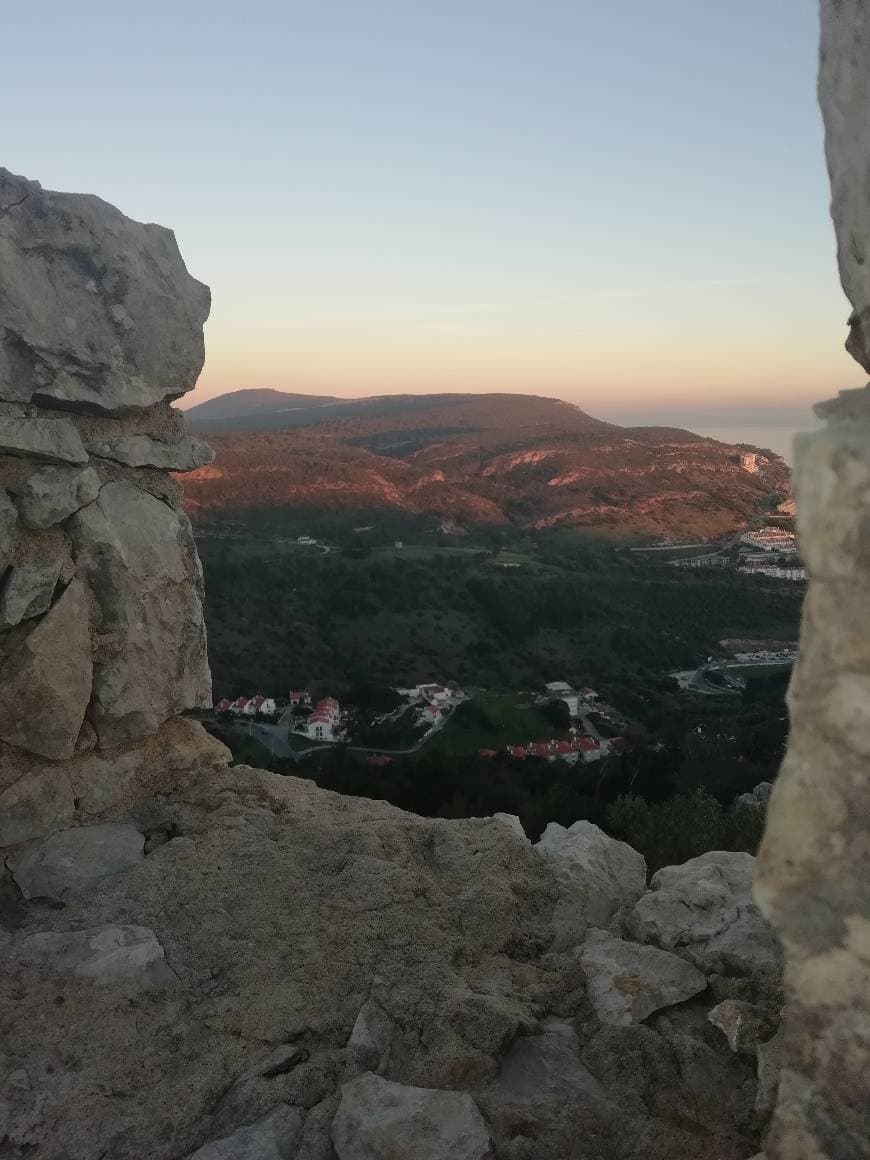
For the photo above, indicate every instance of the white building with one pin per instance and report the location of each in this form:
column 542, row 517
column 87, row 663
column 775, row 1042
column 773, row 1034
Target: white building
column 559, row 688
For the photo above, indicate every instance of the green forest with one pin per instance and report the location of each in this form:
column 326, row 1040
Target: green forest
column 508, row 610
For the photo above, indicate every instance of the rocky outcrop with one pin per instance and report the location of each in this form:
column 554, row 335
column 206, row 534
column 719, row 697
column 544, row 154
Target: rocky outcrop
column 96, row 311
column 812, row 875
column 102, row 641
column 379, row 984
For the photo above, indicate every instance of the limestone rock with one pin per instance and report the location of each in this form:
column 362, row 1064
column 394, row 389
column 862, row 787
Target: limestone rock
column 626, row 982
column 380, row 1120
column 27, row 591
column 513, row 822
column 703, row 910
column 743, row 1024
column 70, row 861
column 273, row 1137
column 369, row 1044
column 47, row 680
column 547, row 1067
column 8, row 530
column 142, row 451
column 598, row 878
column 53, row 493
column 49, row 440
column 140, row 559
column 98, row 311
column 39, row 801
column 106, row 954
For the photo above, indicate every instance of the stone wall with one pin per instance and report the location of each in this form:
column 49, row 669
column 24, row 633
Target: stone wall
column 814, row 868
column 102, row 641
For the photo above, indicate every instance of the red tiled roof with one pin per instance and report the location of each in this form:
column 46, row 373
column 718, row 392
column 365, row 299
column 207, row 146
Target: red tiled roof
column 517, row 750
column 587, row 744
column 564, row 747
column 487, row 753
column 540, row 749
column 223, row 705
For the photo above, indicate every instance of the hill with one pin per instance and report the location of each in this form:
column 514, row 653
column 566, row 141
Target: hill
column 473, row 459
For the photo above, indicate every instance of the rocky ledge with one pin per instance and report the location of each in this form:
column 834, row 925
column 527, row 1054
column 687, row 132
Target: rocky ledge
column 243, row 965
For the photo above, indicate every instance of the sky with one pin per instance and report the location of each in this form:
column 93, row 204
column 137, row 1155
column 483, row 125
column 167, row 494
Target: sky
column 623, row 205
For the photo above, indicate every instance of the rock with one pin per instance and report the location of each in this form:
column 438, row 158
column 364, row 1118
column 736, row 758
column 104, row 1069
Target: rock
column 547, row 1067
column 284, row 1058
column 53, row 493
column 380, row 1120
column 744, row 1025
column 98, row 311
column 70, row 861
column 106, row 954
column 598, row 878
column 513, row 822
column 769, row 1057
column 626, row 982
column 27, row 591
column 368, row 1048
column 703, row 910
column 8, row 531
column 272, row 1137
column 185, row 454
column 39, row 801
column 140, row 559
column 50, row 440
column 47, row 680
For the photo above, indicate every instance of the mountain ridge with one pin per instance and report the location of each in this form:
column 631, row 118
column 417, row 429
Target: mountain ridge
column 517, row 459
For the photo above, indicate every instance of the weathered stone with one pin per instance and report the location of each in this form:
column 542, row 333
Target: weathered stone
column 598, row 878
column 140, row 559
column 8, row 531
column 769, row 1057
column 49, row 440
column 184, row 454
column 47, row 680
column 272, row 1137
column 27, row 591
column 380, row 1120
column 513, row 822
column 369, row 1045
column 53, row 493
column 703, row 910
column 41, row 800
column 758, row 797
column 743, row 1024
column 72, row 860
column 547, row 1067
column 98, row 311
column 106, row 954
column 626, row 981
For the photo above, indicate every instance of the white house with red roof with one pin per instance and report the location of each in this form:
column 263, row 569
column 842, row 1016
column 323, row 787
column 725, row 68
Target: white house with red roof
column 324, row 722
column 223, row 706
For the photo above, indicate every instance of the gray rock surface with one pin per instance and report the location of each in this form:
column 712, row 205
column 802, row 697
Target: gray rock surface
column 27, row 591
column 743, row 1024
column 46, row 682
column 272, row 1137
column 71, row 861
column 184, row 454
column 51, row 494
column 37, row 802
column 380, row 1120
column 368, row 1048
column 599, row 879
column 102, row 313
column 704, row 911
column 105, row 954
column 45, row 440
column 8, row 531
column 140, row 559
column 626, row 982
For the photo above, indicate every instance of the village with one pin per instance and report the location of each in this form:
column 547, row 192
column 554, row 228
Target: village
column 300, row 724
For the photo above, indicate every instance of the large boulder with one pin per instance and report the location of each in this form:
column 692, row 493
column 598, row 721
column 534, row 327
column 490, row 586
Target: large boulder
column 45, row 440
column 46, row 682
column 626, row 981
column 599, row 879
column 380, row 1120
column 139, row 557
column 703, row 910
column 98, row 311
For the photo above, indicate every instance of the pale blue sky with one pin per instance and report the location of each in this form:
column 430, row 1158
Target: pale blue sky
column 615, row 203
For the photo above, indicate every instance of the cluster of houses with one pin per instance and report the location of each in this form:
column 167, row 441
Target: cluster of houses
column 248, row 706
column 770, row 540
column 572, row 749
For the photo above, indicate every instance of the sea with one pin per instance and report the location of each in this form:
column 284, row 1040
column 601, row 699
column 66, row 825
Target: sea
column 768, row 427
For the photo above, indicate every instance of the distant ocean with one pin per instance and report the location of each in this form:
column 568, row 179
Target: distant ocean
column 773, row 428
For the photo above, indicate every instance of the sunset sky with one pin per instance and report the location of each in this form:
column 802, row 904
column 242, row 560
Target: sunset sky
column 621, row 204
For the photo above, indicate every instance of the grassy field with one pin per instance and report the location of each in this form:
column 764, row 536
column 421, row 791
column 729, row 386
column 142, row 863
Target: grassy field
column 491, row 721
